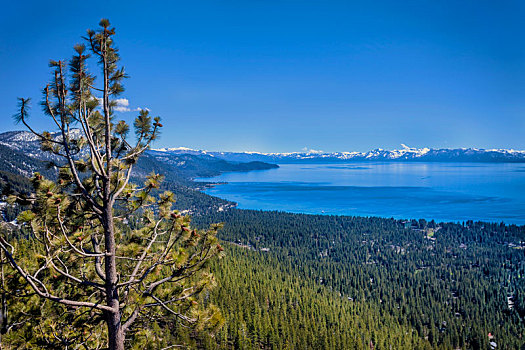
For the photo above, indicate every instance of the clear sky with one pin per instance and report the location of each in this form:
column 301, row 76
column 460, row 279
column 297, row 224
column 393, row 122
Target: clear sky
column 269, row 76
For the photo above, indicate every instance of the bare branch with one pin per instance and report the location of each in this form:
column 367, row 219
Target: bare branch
column 126, row 324
column 78, row 251
column 118, row 191
column 45, row 294
column 171, row 311
column 76, row 279
column 142, row 256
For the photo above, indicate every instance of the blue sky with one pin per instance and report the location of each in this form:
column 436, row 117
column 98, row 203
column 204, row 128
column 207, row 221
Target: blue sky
column 283, row 75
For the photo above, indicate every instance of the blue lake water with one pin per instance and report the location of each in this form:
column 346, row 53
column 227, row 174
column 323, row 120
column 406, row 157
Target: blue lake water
column 439, row 191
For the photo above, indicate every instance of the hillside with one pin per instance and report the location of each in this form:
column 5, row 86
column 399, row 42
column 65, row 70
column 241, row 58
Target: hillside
column 182, row 166
column 20, row 157
column 449, row 285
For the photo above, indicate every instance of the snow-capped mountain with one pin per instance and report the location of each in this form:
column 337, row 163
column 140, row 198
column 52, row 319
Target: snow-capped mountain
column 20, row 153
column 404, row 154
column 29, row 144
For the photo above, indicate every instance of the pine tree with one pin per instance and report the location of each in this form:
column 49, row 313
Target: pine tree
column 87, row 258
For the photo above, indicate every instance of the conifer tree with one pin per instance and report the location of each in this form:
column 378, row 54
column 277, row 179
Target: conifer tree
column 104, row 249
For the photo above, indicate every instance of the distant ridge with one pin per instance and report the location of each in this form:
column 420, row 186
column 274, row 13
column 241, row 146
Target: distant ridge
column 20, row 153
column 404, row 154
column 28, row 144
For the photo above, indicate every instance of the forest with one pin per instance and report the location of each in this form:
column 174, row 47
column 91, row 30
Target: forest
column 448, row 285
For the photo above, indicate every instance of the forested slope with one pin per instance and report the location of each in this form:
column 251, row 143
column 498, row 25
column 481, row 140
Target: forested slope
column 450, row 283
column 268, row 305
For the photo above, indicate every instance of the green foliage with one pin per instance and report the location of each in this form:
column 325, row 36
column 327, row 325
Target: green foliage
column 182, row 252
column 268, row 305
column 452, row 290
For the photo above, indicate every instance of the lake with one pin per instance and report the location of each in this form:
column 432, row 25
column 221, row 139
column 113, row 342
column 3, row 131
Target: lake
column 492, row 192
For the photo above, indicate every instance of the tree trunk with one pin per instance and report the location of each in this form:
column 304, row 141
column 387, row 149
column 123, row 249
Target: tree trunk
column 113, row 319
column 115, row 332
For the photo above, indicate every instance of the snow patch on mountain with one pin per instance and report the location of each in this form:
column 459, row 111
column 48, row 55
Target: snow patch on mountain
column 406, row 153
column 28, row 143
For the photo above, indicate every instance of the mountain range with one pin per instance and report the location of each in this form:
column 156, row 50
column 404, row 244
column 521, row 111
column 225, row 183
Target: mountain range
column 20, row 154
column 191, row 160
column 404, row 154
